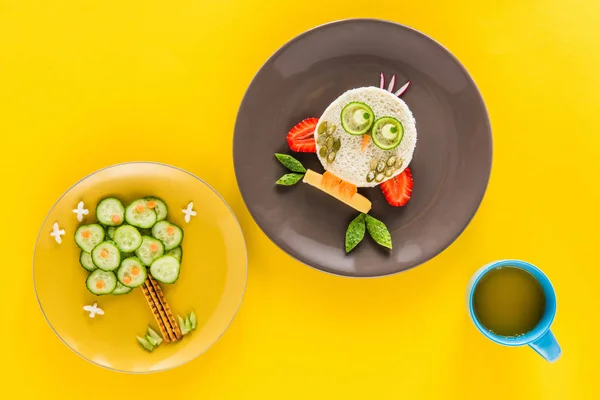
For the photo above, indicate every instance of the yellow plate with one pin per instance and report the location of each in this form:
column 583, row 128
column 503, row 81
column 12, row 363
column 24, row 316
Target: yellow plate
column 212, row 281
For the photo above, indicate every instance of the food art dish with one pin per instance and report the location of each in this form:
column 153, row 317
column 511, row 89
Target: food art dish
column 140, row 267
column 365, row 138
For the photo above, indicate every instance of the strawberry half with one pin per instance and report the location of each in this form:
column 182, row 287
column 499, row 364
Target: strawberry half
column 397, row 190
column 301, row 138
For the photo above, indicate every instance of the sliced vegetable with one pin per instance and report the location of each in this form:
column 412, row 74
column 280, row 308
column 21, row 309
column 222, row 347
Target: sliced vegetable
column 330, row 184
column 127, row 238
column 145, row 344
column 106, row 256
column 169, row 234
column 155, row 335
column 110, row 212
column 150, row 250
column 357, row 118
column 387, row 133
column 378, row 231
column 101, row 282
column 301, row 138
column 151, row 340
column 85, row 259
column 165, row 269
column 121, row 289
column 177, row 253
column 89, row 236
column 193, row 320
column 289, row 179
column 183, row 326
column 290, row 162
column 132, row 273
column 140, row 215
column 355, row 232
column 397, row 191
column 188, row 323
column 159, row 206
column 110, row 231
column 365, row 142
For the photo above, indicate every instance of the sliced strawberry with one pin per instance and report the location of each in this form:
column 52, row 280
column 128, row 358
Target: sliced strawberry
column 397, row 190
column 302, row 136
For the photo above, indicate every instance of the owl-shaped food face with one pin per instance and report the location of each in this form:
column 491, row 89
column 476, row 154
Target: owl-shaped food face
column 366, row 162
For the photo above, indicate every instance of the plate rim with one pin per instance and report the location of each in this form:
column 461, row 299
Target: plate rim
column 488, row 128
column 119, row 165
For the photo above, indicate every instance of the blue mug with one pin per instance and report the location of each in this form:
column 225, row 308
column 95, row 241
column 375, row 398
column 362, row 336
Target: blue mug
column 539, row 338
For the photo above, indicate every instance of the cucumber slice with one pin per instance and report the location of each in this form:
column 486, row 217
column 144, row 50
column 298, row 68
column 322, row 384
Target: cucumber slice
column 188, row 323
column 183, row 326
column 154, row 335
column 152, row 341
column 89, row 236
column 121, row 289
column 159, row 207
column 110, row 212
column 110, row 231
column 106, row 256
column 127, row 238
column 126, row 254
column 132, row 273
column 193, row 321
column 145, row 344
column 387, row 133
column 101, row 282
column 150, row 250
column 170, row 234
column 165, row 269
column 85, row 259
column 177, row 252
column 138, row 214
column 357, row 118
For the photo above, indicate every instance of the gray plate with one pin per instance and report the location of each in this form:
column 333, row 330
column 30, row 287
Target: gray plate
column 451, row 165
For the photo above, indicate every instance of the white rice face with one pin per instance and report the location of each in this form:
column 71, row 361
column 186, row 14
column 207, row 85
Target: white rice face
column 350, row 163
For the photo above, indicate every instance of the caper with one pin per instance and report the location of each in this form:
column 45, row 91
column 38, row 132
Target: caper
column 390, row 162
column 337, row 144
column 379, row 178
column 323, row 151
column 331, row 157
column 331, row 129
column 321, row 140
column 389, row 171
column 322, row 128
column 370, row 176
column 398, row 163
column 329, row 142
column 373, row 163
column 380, row 166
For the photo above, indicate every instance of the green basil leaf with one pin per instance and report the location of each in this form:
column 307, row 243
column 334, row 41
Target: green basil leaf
column 289, row 179
column 355, row 232
column 378, row 231
column 290, row 162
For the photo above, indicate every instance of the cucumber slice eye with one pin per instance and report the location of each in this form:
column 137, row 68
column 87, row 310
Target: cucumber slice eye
column 127, row 238
column 357, row 118
column 387, row 133
column 110, row 212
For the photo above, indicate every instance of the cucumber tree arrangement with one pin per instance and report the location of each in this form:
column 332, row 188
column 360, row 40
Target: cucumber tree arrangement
column 131, row 247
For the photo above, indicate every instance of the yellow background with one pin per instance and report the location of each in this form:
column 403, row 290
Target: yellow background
column 85, row 84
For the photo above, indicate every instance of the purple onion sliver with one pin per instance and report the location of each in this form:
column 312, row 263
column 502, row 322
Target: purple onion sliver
column 381, row 81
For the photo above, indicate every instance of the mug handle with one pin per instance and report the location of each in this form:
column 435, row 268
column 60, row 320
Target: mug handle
column 547, row 347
